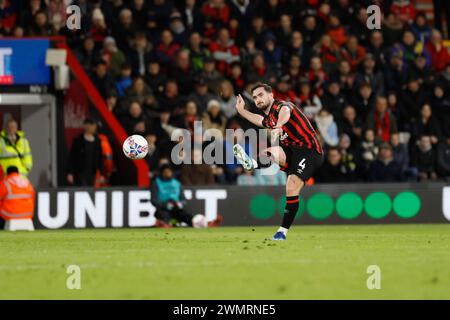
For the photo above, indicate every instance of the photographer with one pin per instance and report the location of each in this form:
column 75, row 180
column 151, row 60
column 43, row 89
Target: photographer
column 167, row 197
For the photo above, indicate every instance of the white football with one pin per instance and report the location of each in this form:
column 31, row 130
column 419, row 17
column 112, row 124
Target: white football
column 135, row 147
column 199, row 221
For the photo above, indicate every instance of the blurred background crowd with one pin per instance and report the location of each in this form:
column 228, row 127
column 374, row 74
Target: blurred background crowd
column 378, row 98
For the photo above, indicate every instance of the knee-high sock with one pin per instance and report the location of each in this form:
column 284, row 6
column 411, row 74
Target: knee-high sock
column 290, row 211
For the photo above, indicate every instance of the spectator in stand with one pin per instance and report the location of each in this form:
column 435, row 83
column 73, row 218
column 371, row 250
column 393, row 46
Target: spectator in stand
column 401, row 156
column 404, row 10
column 227, row 99
column 135, row 121
column 345, row 78
column 85, row 157
column 236, row 76
column 140, row 54
column 285, row 30
column 154, row 153
column 201, row 96
column 440, row 7
column 182, row 72
column 155, row 78
column 333, row 170
column 213, row 117
column 211, row 75
column 369, row 148
column 439, row 53
column 217, row 10
column 298, row 48
column 124, row 81
column 172, row 100
column 99, row 29
column 353, row 52
column 309, row 101
column 140, row 92
column 113, row 57
column 421, row 29
column 178, row 29
column 337, row 31
column 247, row 178
column 443, row 159
column 124, row 29
column 40, row 26
column 412, row 99
column 351, row 158
column 224, row 51
column 316, row 74
column 101, row 78
column 167, row 48
column 364, row 100
column 424, row 159
column 272, row 53
column 197, row 173
column 190, row 116
column 197, row 51
column 385, row 168
column 426, row 125
column 351, row 125
column 410, row 48
column 392, row 29
column 271, row 176
column 370, row 74
column 377, row 48
column 327, row 128
column 382, row 121
column 329, row 53
column 440, row 104
column 311, row 30
column 283, row 91
column 421, row 71
column 87, row 55
column 444, row 77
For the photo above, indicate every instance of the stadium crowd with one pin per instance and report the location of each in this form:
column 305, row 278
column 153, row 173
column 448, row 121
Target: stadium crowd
column 378, row 98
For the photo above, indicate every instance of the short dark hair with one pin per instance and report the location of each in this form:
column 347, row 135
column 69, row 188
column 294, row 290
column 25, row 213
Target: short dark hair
column 12, row 169
column 266, row 87
column 89, row 121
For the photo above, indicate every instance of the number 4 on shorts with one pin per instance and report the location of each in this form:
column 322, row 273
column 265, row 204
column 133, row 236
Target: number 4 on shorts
column 302, row 164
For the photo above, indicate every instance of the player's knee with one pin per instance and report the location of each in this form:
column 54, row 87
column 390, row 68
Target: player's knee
column 293, row 186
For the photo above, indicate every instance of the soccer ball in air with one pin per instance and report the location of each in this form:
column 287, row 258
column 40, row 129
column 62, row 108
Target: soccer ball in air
column 135, row 147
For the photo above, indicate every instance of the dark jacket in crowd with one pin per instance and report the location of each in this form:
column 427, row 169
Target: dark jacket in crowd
column 382, row 172
column 85, row 159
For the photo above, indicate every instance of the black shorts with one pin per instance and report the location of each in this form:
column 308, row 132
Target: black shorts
column 302, row 162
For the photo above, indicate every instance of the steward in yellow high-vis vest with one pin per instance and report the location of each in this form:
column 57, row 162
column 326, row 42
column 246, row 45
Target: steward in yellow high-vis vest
column 15, row 149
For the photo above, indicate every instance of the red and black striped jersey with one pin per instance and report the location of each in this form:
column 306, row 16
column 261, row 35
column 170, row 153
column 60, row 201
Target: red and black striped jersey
column 298, row 131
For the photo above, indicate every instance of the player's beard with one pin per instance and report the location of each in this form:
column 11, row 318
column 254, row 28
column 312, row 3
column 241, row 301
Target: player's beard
column 264, row 107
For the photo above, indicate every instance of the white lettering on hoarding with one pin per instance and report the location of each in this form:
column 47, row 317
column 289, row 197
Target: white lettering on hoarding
column 117, row 209
column 139, row 201
column 211, row 197
column 85, row 207
column 62, row 210
column 446, row 202
column 140, row 210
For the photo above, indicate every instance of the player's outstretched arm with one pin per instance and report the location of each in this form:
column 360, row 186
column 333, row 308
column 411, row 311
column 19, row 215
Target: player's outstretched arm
column 254, row 118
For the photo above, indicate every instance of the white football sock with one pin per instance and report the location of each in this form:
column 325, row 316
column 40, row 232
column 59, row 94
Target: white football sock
column 284, row 230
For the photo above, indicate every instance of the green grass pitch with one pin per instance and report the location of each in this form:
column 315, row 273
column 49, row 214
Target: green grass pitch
column 317, row 262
